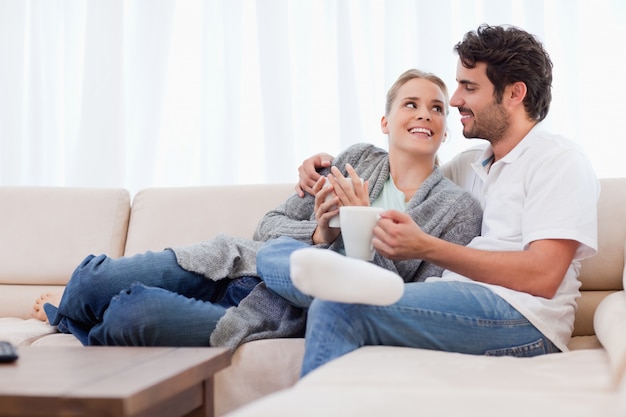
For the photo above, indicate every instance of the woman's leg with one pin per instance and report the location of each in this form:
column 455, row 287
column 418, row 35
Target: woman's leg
column 150, row 316
column 439, row 315
column 99, row 278
column 272, row 264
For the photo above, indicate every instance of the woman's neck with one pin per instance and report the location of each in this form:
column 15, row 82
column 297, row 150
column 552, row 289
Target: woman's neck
column 409, row 173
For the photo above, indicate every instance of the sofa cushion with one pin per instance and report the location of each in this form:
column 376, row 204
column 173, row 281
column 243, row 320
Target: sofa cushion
column 258, row 368
column 176, row 216
column 47, row 231
column 18, row 300
column 381, row 381
column 23, row 332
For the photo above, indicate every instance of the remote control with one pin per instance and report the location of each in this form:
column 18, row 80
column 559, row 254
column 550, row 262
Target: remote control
column 7, row 352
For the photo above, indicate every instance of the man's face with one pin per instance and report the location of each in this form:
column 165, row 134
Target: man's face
column 482, row 117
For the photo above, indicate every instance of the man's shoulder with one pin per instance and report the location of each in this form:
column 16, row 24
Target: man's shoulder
column 459, row 169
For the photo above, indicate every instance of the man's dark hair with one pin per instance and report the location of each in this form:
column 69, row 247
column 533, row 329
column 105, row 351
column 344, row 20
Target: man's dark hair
column 511, row 55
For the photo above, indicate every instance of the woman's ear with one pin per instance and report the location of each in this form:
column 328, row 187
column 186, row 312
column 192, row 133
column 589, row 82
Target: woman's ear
column 383, row 125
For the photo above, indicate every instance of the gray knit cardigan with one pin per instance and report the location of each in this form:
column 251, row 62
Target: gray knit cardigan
column 439, row 207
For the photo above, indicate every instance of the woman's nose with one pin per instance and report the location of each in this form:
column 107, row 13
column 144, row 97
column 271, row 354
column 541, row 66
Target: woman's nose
column 423, row 114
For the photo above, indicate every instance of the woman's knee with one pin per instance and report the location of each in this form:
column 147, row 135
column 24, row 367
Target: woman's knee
column 324, row 311
column 88, row 274
column 273, row 257
column 129, row 320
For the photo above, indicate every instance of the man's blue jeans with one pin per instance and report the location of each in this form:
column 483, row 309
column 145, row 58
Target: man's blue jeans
column 441, row 315
column 144, row 300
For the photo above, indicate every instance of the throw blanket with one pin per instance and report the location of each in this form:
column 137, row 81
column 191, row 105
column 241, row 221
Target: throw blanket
column 262, row 314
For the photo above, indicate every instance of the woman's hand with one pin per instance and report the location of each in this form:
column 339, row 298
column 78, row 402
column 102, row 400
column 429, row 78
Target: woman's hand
column 333, row 192
column 326, row 207
column 351, row 191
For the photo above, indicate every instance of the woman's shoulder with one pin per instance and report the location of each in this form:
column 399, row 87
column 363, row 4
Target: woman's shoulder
column 362, row 148
column 361, row 155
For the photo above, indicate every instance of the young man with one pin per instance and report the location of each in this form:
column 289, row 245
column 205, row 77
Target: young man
column 512, row 290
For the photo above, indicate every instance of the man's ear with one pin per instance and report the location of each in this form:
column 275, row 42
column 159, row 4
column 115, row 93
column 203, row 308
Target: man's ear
column 516, row 92
column 383, row 125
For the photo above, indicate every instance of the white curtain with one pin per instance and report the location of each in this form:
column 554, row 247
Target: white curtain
column 143, row 93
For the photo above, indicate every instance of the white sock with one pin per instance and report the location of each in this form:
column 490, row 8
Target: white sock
column 327, row 275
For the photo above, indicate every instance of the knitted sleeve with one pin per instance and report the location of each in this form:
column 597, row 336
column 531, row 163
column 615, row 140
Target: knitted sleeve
column 295, row 217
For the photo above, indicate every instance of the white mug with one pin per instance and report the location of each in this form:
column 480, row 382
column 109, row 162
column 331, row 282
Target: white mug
column 357, row 230
column 335, row 221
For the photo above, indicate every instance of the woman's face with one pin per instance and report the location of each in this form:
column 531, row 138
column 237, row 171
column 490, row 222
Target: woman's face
column 416, row 121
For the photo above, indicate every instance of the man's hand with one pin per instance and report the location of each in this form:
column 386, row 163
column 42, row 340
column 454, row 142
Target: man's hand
column 307, row 172
column 397, row 236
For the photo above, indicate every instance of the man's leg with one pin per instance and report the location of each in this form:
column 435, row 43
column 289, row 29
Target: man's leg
column 439, row 315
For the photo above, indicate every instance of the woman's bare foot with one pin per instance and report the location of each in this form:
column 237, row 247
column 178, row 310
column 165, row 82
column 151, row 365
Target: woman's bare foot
column 50, row 297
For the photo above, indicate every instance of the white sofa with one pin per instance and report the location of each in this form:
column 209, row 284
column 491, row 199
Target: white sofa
column 47, row 231
column 589, row 380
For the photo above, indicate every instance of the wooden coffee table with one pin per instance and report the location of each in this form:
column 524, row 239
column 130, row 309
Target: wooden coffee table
column 110, row 381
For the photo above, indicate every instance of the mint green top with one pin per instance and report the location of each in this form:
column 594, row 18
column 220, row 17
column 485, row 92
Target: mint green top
column 391, row 197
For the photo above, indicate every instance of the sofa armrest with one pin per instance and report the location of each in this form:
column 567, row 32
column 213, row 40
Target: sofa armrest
column 610, row 325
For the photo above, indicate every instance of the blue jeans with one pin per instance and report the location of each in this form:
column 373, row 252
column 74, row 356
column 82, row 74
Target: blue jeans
column 144, row 300
column 440, row 315
column 272, row 263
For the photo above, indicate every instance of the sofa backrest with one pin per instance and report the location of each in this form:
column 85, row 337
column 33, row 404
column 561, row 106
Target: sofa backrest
column 167, row 217
column 46, row 231
column 162, row 217
column 603, row 274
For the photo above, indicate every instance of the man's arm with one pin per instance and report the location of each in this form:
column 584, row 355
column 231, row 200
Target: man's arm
column 537, row 270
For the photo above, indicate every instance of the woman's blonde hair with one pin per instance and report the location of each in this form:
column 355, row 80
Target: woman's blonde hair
column 408, row 76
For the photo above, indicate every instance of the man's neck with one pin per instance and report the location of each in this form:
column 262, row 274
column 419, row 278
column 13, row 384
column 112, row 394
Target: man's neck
column 513, row 136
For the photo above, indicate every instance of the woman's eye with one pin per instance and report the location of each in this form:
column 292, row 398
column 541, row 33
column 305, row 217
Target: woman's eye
column 438, row 109
column 411, row 105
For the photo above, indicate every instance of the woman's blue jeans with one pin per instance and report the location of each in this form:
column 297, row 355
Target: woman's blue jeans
column 144, row 300
column 272, row 263
column 440, row 315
